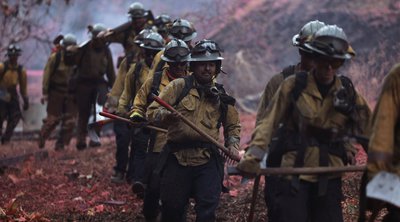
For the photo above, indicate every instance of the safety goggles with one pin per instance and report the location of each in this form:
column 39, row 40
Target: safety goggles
column 177, row 51
column 151, row 43
column 181, row 30
column 332, row 47
column 204, row 46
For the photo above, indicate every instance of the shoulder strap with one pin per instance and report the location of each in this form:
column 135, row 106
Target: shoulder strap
column 288, row 71
column 160, row 65
column 347, row 84
column 299, row 85
column 188, row 86
column 225, row 101
column 135, row 77
column 155, row 85
column 350, row 90
column 225, row 98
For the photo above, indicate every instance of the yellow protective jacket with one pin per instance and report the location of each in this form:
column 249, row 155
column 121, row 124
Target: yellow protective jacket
column 11, row 78
column 310, row 110
column 203, row 113
column 127, row 96
column 56, row 78
column 384, row 145
column 118, row 87
column 141, row 104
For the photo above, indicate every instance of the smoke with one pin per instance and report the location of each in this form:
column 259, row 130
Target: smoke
column 74, row 18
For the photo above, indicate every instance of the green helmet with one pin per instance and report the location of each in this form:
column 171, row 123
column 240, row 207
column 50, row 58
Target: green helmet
column 183, row 29
column 136, row 10
column 153, row 41
column 330, row 41
column 176, row 51
column 13, row 50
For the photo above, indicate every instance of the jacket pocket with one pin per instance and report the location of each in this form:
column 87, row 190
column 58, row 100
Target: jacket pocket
column 210, row 119
column 188, row 104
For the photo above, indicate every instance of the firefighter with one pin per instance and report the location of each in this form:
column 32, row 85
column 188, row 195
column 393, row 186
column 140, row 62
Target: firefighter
column 12, row 74
column 319, row 109
column 61, row 106
column 192, row 165
column 94, row 61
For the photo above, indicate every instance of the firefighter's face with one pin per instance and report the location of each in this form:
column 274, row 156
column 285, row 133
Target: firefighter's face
column 204, row 72
column 178, row 69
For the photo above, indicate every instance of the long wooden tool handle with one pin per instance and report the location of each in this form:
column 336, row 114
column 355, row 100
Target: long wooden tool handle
column 254, row 199
column 195, row 128
column 302, row 170
column 112, row 116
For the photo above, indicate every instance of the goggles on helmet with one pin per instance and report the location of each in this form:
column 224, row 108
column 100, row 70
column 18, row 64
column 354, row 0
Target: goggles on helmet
column 177, row 51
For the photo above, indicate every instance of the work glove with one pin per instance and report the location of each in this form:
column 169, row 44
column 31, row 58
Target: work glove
column 232, row 143
column 137, row 117
column 44, row 99
column 26, row 103
column 249, row 165
column 234, row 149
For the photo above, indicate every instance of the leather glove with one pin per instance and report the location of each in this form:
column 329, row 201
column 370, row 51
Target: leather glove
column 234, row 149
column 44, row 99
column 137, row 117
column 26, row 103
column 249, row 165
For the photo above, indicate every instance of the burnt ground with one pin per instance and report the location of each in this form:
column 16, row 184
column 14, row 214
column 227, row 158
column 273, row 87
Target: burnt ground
column 73, row 185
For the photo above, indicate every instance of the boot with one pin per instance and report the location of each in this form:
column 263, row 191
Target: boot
column 118, row 177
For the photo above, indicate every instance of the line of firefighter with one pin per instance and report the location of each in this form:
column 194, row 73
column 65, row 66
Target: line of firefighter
column 302, row 117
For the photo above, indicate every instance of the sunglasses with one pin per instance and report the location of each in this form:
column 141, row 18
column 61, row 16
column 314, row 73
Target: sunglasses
column 326, row 61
